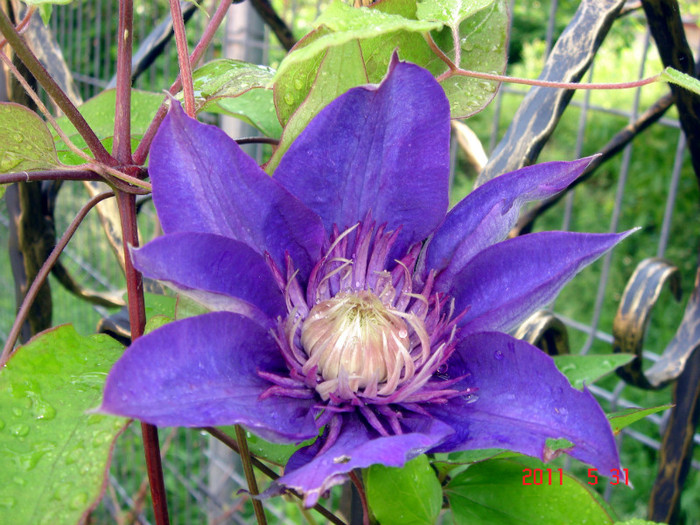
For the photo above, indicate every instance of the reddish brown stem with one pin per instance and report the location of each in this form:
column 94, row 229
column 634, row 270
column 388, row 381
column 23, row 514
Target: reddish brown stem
column 363, row 497
column 122, row 116
column 20, row 27
column 547, row 83
column 137, row 321
column 30, row 176
column 183, row 56
column 44, row 273
column 21, row 49
column 142, row 150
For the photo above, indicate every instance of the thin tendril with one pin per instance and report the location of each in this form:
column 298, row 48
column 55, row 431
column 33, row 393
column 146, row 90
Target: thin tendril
column 43, row 274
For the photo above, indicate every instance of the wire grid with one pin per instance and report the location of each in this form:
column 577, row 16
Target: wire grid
column 191, row 461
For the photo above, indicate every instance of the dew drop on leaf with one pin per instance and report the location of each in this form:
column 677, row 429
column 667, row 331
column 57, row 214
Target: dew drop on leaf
column 20, row 430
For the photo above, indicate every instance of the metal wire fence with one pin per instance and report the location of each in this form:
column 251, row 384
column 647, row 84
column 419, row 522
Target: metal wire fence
column 202, row 478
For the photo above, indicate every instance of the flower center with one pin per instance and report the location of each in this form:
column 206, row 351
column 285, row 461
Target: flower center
column 356, row 342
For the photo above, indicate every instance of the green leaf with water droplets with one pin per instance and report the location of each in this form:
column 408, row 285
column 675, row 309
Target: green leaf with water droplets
column 345, row 23
column 410, row 495
column 493, row 492
column 483, row 42
column 624, row 418
column 482, row 36
column 53, row 455
column 238, row 89
column 587, row 369
column 342, row 68
column 25, row 141
column 451, row 12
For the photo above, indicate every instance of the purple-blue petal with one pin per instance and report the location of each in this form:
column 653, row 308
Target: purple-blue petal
column 203, row 182
column 357, row 447
column 486, row 215
column 219, row 272
column 503, row 284
column 521, row 400
column 382, row 149
column 203, row 371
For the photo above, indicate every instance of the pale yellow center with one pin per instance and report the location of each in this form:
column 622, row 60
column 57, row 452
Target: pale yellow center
column 357, row 343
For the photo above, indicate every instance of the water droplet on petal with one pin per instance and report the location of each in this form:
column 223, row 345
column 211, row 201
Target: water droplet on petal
column 498, row 355
column 470, row 398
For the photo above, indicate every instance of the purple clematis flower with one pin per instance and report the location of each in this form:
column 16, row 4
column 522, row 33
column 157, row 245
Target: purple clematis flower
column 331, row 311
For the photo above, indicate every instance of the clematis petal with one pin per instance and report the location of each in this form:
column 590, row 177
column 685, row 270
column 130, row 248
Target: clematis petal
column 384, row 149
column 486, row 215
column 219, row 272
column 203, row 182
column 203, row 371
column 522, row 400
column 356, row 447
column 506, row 282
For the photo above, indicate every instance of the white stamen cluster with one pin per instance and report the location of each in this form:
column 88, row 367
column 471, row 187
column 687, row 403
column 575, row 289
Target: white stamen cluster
column 355, row 340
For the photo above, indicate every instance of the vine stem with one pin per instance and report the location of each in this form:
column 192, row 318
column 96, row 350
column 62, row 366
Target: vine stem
column 183, row 56
column 44, row 273
column 233, row 445
column 137, row 321
column 57, row 174
column 122, row 116
column 363, row 497
column 250, row 474
column 25, row 54
column 20, row 27
column 547, row 83
column 142, row 150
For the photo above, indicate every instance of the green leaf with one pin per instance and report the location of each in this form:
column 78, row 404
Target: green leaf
column 674, row 76
column 54, row 455
column 25, row 141
column 277, row 453
column 410, row 495
column 493, row 492
column 342, row 68
column 450, row 12
column 638, row 521
column 238, row 89
column 345, row 23
column 256, row 107
column 99, row 113
column 587, row 369
column 624, row 418
column 158, row 304
column 483, row 39
column 45, row 12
